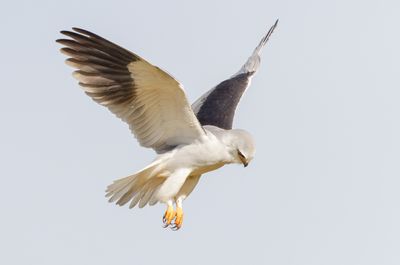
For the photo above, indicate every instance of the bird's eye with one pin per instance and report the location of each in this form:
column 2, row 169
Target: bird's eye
column 240, row 154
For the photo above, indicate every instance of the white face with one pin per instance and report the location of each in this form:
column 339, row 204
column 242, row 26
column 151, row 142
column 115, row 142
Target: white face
column 244, row 147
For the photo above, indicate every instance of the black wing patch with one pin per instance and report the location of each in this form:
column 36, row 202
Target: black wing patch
column 218, row 108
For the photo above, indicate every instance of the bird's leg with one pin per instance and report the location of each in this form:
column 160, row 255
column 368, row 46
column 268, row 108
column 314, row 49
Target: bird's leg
column 169, row 214
column 179, row 214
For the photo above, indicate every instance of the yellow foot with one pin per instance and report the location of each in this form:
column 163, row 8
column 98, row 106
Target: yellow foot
column 169, row 216
column 178, row 219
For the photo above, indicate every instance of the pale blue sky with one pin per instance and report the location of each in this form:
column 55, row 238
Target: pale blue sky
column 324, row 110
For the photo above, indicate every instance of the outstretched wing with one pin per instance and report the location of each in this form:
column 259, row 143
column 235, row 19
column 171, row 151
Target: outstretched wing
column 217, row 106
column 152, row 102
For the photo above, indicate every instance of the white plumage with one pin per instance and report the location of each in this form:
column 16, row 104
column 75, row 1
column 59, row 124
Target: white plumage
column 158, row 113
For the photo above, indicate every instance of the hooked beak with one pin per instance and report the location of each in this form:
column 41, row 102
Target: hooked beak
column 245, row 162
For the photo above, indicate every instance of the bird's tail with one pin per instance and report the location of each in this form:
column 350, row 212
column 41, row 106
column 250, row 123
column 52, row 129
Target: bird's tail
column 137, row 188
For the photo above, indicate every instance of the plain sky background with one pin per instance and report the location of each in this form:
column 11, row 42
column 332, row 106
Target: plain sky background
column 324, row 110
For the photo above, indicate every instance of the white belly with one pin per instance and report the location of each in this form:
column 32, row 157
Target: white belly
column 190, row 160
column 205, row 169
column 200, row 157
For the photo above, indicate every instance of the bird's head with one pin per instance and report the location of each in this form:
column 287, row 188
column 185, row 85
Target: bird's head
column 243, row 148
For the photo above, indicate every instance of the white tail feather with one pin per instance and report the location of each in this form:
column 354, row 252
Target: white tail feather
column 150, row 189
column 137, row 187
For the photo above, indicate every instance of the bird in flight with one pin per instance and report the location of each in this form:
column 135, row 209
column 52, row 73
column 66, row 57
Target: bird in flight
column 189, row 140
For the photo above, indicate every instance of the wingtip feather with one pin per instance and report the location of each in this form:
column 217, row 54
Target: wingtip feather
column 253, row 62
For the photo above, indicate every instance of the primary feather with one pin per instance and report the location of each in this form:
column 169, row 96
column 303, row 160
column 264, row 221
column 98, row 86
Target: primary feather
column 217, row 106
column 152, row 102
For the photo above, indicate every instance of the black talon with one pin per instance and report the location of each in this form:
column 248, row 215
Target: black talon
column 175, row 228
column 165, row 225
